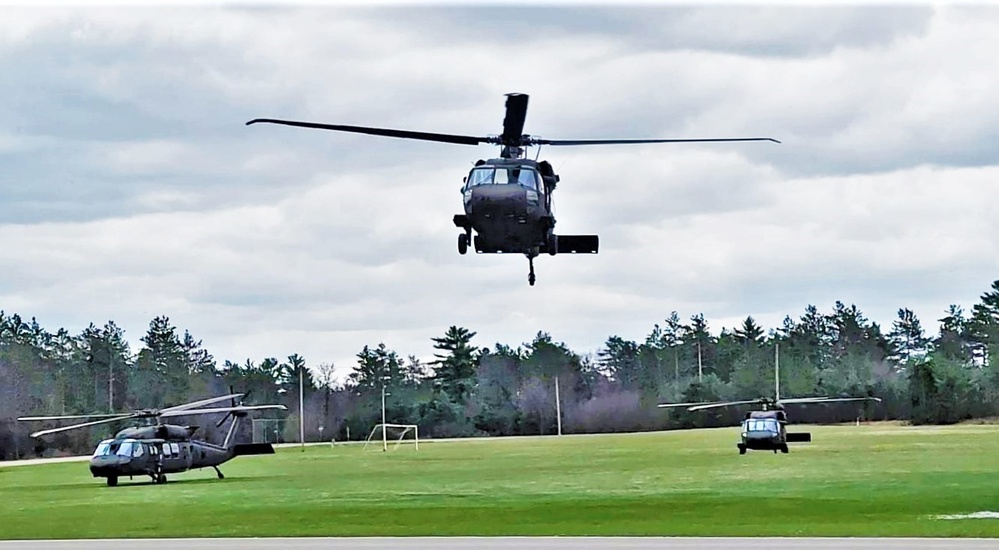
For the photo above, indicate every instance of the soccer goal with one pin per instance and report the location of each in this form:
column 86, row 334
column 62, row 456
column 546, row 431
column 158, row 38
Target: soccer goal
column 394, row 434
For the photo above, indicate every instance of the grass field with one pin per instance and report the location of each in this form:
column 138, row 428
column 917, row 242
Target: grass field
column 876, row 480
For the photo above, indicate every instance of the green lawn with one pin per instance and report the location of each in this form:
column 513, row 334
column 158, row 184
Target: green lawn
column 877, row 480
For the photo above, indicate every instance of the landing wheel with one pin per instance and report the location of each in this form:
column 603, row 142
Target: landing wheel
column 530, row 276
column 219, row 472
column 112, row 481
column 552, row 244
column 742, row 449
column 783, row 449
column 463, row 243
column 161, row 479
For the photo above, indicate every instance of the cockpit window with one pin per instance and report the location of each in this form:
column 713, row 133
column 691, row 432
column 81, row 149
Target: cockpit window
column 761, row 425
column 103, row 449
column 526, row 177
column 125, row 449
column 490, row 175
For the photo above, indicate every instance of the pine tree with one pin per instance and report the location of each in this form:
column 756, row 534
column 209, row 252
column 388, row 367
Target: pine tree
column 908, row 339
column 454, row 371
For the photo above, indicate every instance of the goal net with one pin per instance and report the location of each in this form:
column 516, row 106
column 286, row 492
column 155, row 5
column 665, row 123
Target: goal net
column 385, row 435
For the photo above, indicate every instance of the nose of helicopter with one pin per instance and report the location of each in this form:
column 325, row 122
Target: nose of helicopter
column 496, row 200
column 102, row 466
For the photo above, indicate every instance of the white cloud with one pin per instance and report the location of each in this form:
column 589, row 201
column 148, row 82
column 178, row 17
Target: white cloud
column 132, row 188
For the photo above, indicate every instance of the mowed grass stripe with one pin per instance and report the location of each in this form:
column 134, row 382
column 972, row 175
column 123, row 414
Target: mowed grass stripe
column 871, row 480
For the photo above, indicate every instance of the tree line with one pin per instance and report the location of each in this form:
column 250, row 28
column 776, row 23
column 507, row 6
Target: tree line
column 471, row 390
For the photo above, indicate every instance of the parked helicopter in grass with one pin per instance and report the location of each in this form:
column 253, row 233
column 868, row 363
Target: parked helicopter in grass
column 766, row 429
column 160, row 449
column 508, row 200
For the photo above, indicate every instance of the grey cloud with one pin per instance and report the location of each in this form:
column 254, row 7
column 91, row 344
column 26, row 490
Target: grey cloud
column 133, row 189
column 743, row 30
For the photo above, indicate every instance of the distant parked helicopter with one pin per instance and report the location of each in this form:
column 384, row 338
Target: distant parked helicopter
column 163, row 449
column 765, row 429
column 508, row 201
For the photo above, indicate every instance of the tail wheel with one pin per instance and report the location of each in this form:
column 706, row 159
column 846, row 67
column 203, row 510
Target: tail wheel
column 463, row 243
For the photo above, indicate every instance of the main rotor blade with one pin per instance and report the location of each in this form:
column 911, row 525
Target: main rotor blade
column 723, row 404
column 513, row 122
column 201, row 403
column 84, row 425
column 673, row 405
column 387, row 132
column 632, row 141
column 224, row 410
column 806, row 400
column 73, row 417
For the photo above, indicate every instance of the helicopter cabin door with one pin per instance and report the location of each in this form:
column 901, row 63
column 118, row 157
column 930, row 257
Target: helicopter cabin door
column 176, row 456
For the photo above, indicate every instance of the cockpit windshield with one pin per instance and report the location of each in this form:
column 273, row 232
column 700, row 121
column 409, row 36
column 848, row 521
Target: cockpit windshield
column 104, row 448
column 125, row 449
column 491, row 175
column 761, row 425
column 110, row 447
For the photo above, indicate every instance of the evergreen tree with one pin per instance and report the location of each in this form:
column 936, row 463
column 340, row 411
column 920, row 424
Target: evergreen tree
column 984, row 325
column 673, row 333
column 701, row 346
column 750, row 333
column 953, row 340
column 376, row 368
column 619, row 359
column 161, row 372
column 454, row 371
column 907, row 338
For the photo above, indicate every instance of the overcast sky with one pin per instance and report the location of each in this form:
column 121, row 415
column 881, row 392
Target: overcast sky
column 130, row 186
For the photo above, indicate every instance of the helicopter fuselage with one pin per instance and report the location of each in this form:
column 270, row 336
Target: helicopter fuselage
column 508, row 205
column 767, row 431
column 137, row 452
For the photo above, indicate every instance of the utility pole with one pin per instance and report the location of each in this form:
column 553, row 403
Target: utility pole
column 558, row 407
column 301, row 409
column 110, row 385
column 384, row 436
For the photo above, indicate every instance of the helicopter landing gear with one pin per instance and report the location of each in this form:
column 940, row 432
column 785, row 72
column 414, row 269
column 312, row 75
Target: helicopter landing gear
column 552, row 244
column 463, row 243
column 530, row 276
column 219, row 472
column 783, row 448
column 742, row 449
column 112, row 481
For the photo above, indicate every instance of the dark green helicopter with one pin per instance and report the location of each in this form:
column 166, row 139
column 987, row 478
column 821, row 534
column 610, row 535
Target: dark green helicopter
column 766, row 429
column 508, row 200
column 160, row 449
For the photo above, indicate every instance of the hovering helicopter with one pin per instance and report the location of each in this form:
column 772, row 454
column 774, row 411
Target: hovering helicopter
column 766, row 429
column 508, row 200
column 160, row 449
